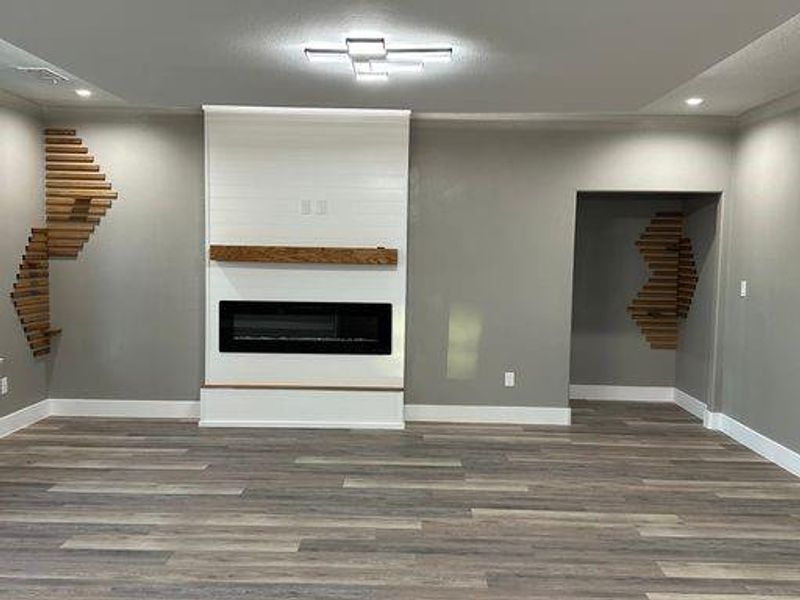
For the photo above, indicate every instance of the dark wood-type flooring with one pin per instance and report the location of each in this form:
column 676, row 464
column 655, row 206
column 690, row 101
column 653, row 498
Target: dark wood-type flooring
column 631, row 502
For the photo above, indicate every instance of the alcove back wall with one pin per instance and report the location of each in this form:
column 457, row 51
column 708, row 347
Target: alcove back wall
column 607, row 346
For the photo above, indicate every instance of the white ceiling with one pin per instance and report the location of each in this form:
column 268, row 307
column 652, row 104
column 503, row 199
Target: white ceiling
column 510, row 56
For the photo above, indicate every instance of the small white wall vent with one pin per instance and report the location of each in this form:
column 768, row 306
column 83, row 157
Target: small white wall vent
column 44, row 74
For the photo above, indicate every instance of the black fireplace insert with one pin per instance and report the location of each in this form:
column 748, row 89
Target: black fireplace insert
column 305, row 327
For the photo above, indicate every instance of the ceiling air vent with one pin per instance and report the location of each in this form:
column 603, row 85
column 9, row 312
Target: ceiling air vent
column 44, row 74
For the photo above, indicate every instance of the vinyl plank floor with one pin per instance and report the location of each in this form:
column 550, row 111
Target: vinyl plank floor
column 631, row 502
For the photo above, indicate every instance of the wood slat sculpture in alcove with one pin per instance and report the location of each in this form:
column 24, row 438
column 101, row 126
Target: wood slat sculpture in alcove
column 77, row 196
column 667, row 296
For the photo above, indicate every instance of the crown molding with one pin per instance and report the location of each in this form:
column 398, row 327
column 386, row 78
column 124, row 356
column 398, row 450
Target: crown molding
column 9, row 100
column 53, row 112
column 775, row 108
column 573, row 121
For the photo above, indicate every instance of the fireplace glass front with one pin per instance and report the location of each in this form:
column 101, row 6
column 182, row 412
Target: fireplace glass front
column 305, row 327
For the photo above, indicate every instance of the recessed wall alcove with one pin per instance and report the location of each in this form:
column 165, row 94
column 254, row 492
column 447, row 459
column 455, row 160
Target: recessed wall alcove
column 644, row 290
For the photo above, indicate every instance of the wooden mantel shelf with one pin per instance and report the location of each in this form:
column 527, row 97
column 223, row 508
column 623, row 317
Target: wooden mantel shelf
column 304, row 254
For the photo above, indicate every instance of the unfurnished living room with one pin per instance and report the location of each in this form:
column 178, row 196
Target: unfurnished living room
column 400, row 299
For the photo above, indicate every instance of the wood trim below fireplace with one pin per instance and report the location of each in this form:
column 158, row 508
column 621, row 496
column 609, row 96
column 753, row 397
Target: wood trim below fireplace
column 304, row 254
column 299, row 386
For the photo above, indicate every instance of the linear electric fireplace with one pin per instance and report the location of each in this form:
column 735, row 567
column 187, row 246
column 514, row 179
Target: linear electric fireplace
column 305, row 327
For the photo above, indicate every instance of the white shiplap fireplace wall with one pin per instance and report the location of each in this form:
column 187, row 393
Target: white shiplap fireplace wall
column 305, row 177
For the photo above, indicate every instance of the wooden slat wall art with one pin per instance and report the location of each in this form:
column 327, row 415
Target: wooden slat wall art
column 31, row 293
column 667, row 296
column 77, row 196
column 304, row 254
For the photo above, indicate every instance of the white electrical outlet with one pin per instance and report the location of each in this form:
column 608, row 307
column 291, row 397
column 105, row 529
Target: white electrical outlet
column 510, row 379
column 3, row 386
column 743, row 288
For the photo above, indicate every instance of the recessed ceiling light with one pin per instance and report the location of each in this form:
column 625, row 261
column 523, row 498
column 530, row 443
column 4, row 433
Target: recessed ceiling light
column 375, row 59
column 696, row 101
column 83, row 93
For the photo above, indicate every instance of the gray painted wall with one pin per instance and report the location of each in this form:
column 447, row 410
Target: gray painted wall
column 21, row 167
column 607, row 346
column 131, row 305
column 491, row 246
column 760, row 354
column 491, row 254
column 693, row 364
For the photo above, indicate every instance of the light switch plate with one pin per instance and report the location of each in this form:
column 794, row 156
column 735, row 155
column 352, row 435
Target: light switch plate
column 743, row 288
column 510, row 379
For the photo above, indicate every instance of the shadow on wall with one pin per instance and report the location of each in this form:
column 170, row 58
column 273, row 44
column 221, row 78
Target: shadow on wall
column 701, row 227
column 693, row 367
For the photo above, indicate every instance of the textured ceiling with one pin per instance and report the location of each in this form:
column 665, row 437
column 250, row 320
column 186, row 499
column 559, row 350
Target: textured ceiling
column 28, row 86
column 520, row 56
column 767, row 69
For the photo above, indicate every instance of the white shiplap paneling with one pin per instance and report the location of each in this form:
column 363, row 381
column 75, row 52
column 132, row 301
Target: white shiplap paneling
column 263, row 164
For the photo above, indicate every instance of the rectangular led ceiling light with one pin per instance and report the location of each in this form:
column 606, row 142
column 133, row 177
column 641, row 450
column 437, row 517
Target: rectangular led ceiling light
column 362, row 66
column 420, row 55
column 362, row 47
column 327, row 56
column 385, row 66
column 372, row 77
column 371, row 60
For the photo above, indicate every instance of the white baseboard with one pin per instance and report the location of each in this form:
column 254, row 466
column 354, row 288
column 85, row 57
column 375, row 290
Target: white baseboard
column 690, row 404
column 623, row 393
column 711, row 420
column 757, row 442
column 525, row 415
column 314, row 409
column 639, row 393
column 716, row 421
column 125, row 409
column 24, row 417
